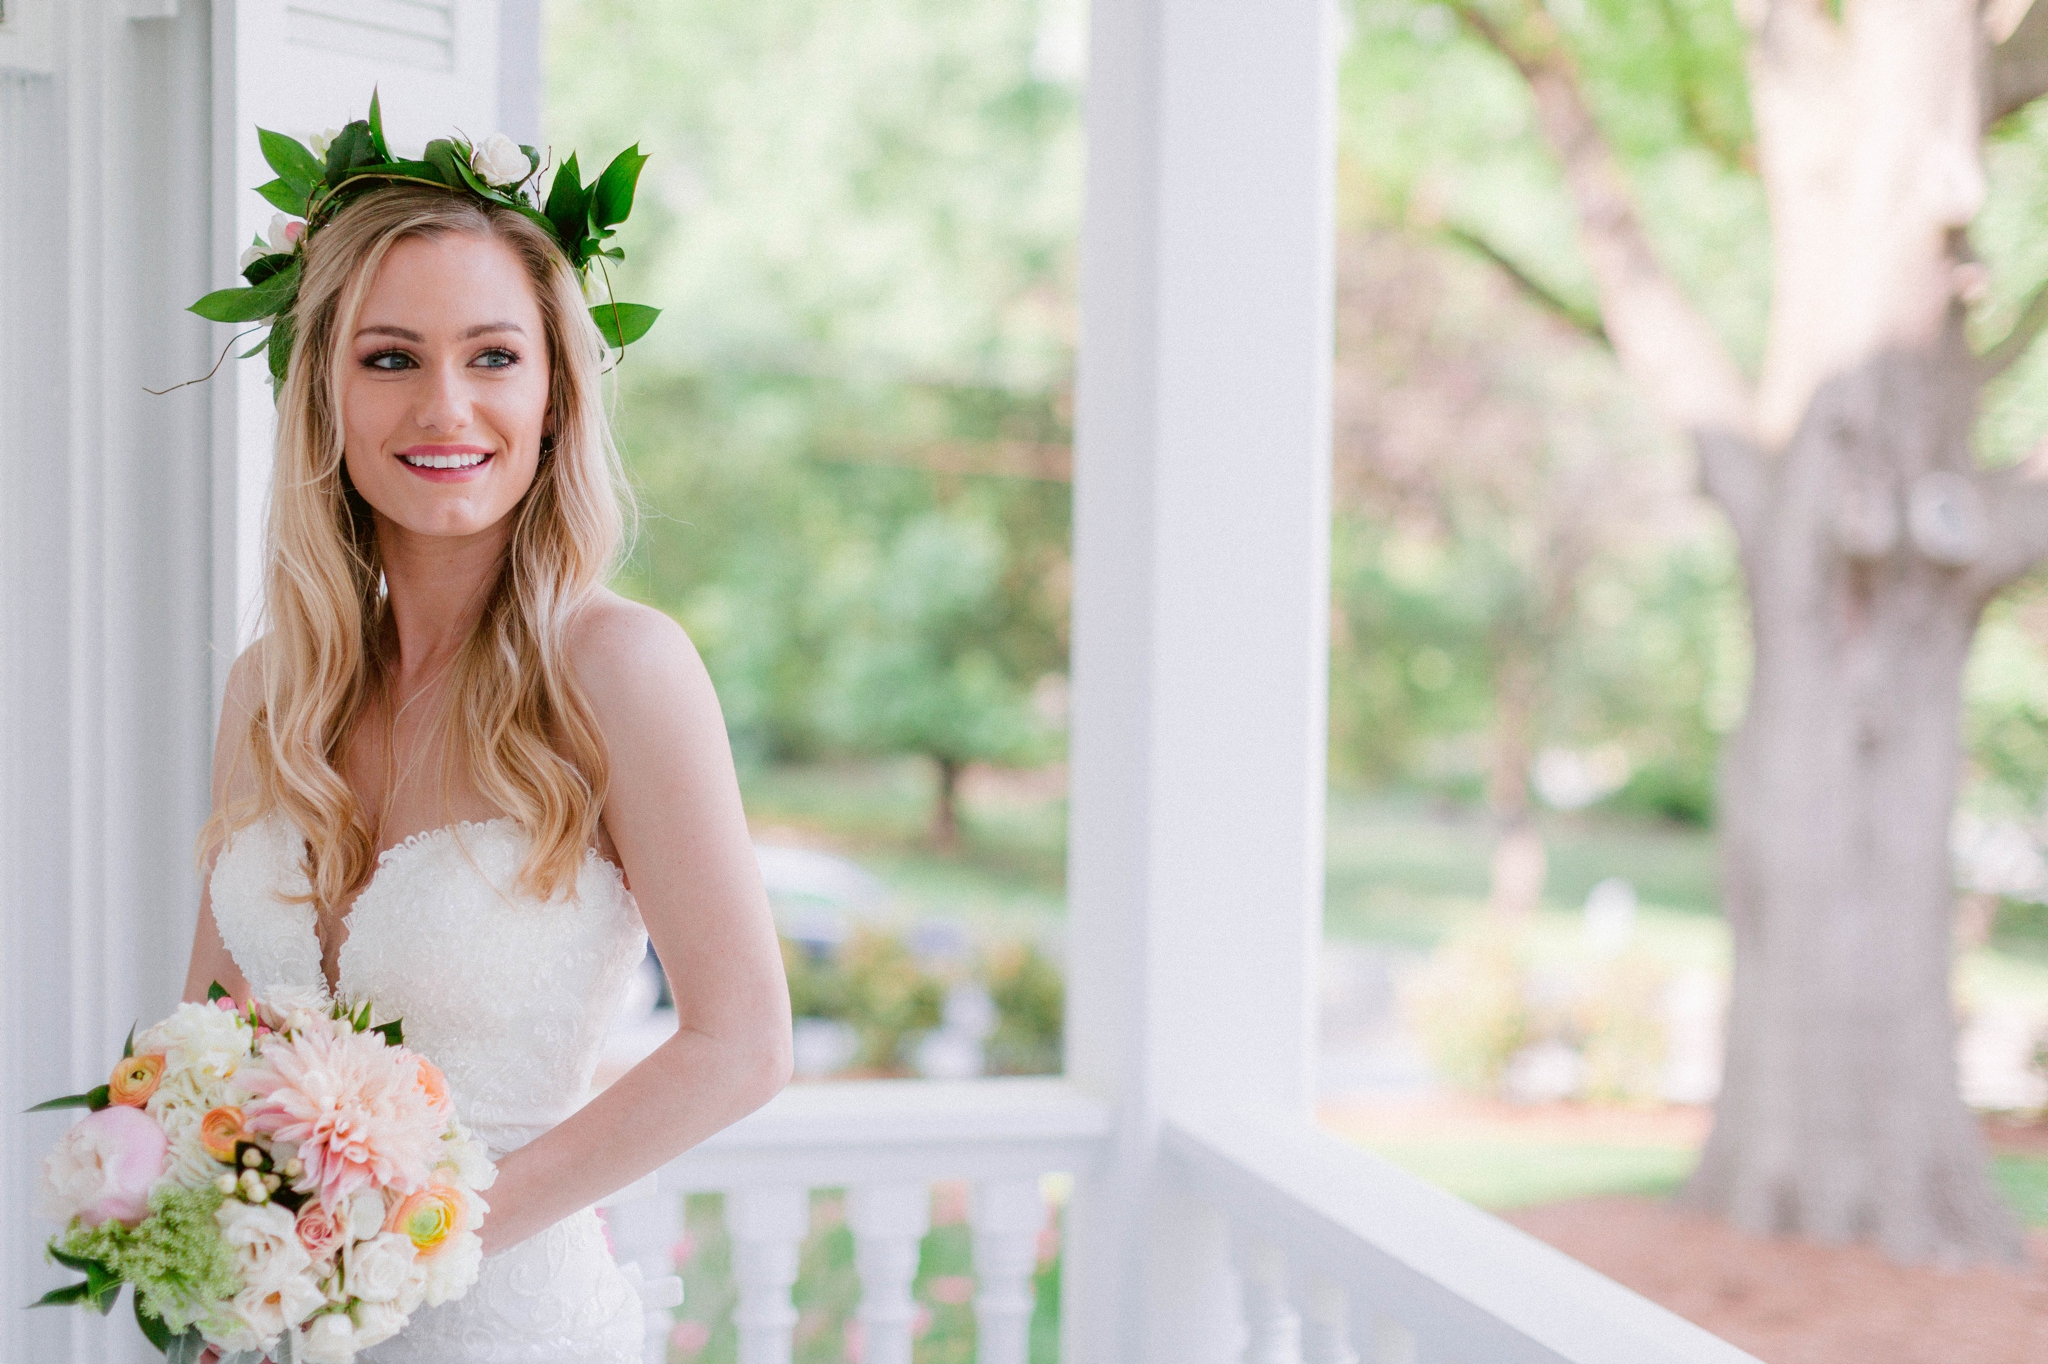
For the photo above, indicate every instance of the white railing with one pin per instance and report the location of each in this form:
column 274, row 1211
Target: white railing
column 1342, row 1258
column 1339, row 1257
column 885, row 1142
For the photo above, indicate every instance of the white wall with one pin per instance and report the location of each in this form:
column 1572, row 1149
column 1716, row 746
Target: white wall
column 105, row 600
column 127, row 520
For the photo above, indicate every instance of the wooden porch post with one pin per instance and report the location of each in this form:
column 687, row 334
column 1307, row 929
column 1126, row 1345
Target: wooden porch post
column 1201, row 607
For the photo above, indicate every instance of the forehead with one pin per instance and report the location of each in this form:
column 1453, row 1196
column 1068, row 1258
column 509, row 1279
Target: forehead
column 447, row 283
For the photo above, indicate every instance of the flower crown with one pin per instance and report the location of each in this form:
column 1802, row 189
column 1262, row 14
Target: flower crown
column 314, row 183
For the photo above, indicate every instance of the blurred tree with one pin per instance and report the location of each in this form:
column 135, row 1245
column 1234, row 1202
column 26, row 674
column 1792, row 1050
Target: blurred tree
column 1513, row 472
column 861, row 223
column 1813, row 171
column 919, row 665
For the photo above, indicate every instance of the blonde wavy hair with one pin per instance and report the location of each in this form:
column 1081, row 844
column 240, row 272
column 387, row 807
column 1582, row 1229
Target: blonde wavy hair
column 519, row 720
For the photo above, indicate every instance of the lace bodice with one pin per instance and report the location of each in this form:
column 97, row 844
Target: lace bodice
column 510, row 995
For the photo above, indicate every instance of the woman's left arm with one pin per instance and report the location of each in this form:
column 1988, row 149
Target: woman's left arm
column 673, row 812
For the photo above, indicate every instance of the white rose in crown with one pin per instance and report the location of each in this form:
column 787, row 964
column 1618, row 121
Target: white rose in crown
column 322, row 140
column 498, row 161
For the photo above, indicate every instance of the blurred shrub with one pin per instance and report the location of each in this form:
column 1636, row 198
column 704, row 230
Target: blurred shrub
column 1469, row 1005
column 1675, row 790
column 1031, row 1002
column 818, row 988
column 1618, row 1016
column 877, row 985
column 1476, row 1005
column 890, row 998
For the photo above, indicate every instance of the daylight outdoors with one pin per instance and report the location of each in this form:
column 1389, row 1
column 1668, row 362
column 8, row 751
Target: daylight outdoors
column 851, row 437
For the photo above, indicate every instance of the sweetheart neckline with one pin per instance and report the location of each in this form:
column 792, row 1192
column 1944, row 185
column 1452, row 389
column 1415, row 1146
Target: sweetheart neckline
column 331, row 990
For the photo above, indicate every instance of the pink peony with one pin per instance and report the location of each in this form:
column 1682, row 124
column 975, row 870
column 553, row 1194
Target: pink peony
column 103, row 1167
column 352, row 1106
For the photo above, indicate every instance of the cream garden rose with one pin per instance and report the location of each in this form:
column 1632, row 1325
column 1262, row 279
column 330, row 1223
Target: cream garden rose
column 381, row 1269
column 498, row 161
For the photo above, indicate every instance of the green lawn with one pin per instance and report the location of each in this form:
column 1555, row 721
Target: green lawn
column 1505, row 1173
column 1399, row 869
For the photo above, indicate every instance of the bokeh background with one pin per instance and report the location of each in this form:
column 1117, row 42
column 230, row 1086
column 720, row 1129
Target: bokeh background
column 850, row 433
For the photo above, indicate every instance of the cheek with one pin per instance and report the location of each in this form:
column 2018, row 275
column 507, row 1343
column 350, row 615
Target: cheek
column 368, row 412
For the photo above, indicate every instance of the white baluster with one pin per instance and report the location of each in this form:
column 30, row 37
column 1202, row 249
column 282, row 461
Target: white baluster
column 1272, row 1331
column 1008, row 1215
column 888, row 1221
column 767, row 1228
column 1325, row 1323
column 644, row 1224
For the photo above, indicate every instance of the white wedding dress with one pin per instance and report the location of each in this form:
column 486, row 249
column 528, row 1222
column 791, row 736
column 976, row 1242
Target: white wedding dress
column 511, row 996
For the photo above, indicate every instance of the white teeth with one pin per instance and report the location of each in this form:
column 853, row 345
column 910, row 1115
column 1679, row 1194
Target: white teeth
column 444, row 461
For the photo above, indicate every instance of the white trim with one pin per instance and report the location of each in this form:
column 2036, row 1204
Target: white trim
column 1463, row 1283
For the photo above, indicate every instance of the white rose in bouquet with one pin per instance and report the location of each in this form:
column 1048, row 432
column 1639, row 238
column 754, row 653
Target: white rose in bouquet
column 199, row 1043
column 376, row 1322
column 452, row 1269
column 330, row 1339
column 379, row 1269
column 365, row 1215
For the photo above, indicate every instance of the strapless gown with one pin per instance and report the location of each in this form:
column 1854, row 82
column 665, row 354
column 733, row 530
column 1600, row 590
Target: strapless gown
column 511, row 996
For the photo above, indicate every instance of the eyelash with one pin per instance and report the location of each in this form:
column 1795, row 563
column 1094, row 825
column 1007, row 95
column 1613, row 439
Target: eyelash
column 372, row 361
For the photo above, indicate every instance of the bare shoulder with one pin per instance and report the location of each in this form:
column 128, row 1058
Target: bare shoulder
column 631, row 658
column 245, row 685
column 233, row 776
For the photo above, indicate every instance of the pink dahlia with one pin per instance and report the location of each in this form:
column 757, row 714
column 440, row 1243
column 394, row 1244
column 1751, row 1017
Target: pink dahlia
column 352, row 1105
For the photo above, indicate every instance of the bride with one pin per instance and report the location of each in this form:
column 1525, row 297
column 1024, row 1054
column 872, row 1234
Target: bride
column 459, row 777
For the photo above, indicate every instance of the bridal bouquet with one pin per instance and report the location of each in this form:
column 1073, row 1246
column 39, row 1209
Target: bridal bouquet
column 279, row 1180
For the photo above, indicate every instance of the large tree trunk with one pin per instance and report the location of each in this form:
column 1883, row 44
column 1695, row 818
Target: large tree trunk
column 1870, row 544
column 1839, row 1115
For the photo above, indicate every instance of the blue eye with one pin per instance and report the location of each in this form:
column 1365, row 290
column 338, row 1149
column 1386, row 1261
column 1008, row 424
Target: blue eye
column 497, row 357
column 389, row 360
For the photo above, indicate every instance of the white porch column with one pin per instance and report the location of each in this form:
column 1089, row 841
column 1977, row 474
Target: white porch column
column 105, row 589
column 1200, row 647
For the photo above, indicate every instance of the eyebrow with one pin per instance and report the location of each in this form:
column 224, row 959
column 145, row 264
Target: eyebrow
column 404, row 334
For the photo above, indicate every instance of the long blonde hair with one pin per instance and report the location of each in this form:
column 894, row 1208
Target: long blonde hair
column 519, row 720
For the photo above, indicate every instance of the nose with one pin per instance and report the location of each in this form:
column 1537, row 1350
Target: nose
column 445, row 402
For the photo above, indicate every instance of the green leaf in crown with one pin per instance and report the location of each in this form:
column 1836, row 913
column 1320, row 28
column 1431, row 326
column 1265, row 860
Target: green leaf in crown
column 315, row 183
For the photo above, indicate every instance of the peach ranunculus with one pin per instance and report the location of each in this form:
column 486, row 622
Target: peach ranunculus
column 219, row 1130
column 434, row 1085
column 321, row 1232
column 135, row 1079
column 430, row 1216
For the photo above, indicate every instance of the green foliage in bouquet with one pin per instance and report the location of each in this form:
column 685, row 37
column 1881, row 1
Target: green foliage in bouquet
column 176, row 1258
column 582, row 218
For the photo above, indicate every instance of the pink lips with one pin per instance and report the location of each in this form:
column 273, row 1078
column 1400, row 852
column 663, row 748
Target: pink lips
column 432, row 475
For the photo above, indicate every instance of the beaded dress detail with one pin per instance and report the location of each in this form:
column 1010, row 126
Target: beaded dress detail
column 511, row 996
